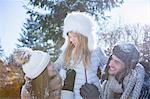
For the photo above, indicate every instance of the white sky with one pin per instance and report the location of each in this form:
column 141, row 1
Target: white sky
column 12, row 17
column 132, row 11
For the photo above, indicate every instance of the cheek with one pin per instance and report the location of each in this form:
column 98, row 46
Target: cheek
column 76, row 40
column 50, row 68
column 70, row 39
column 120, row 68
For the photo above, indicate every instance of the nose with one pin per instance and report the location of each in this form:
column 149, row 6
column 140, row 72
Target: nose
column 71, row 39
column 111, row 63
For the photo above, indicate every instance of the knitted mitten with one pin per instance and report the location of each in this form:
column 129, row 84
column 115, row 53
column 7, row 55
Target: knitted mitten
column 69, row 81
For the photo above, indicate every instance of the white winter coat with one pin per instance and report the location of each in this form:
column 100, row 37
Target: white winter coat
column 98, row 59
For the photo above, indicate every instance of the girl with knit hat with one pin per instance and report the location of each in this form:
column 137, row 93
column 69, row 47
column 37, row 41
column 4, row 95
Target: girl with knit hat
column 80, row 58
column 41, row 80
column 124, row 75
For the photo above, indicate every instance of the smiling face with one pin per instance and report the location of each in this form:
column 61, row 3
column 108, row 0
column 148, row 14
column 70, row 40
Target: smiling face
column 73, row 38
column 115, row 65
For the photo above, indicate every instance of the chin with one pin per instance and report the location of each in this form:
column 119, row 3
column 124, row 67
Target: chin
column 112, row 72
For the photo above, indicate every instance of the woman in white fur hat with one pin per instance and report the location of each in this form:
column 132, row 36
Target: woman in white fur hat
column 40, row 83
column 80, row 59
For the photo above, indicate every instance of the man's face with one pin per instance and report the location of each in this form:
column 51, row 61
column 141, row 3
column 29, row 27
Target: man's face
column 115, row 65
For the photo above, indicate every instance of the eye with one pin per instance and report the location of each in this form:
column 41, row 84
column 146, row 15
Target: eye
column 117, row 62
column 72, row 36
column 75, row 36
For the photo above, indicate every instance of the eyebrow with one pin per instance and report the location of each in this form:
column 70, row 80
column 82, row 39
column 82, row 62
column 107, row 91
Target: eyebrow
column 116, row 60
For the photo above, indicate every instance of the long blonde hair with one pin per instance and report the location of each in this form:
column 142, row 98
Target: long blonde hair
column 39, row 84
column 81, row 52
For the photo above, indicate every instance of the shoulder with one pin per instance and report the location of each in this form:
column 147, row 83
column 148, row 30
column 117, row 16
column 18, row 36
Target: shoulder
column 97, row 51
column 139, row 73
column 140, row 69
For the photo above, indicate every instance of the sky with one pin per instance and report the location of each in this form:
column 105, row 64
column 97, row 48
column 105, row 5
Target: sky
column 12, row 17
column 132, row 11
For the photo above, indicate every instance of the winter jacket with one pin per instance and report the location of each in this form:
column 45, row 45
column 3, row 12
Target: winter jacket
column 129, row 89
column 98, row 60
column 145, row 92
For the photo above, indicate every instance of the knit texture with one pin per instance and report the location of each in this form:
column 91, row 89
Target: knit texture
column 132, row 85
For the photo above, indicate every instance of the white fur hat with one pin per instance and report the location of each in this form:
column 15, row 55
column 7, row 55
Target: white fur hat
column 36, row 64
column 82, row 23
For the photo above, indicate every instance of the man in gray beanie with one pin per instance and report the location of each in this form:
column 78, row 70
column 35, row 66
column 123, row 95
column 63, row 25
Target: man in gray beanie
column 124, row 76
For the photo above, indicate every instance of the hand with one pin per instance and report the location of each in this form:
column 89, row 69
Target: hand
column 89, row 91
column 69, row 81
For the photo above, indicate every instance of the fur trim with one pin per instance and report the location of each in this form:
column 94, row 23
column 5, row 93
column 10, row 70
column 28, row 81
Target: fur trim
column 82, row 23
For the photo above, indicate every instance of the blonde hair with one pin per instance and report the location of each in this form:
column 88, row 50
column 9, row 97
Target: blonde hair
column 81, row 52
column 39, row 84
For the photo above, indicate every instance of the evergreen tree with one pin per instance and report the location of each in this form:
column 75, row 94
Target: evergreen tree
column 43, row 31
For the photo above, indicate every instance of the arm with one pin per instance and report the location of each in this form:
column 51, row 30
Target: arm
column 102, row 58
column 59, row 63
column 99, row 58
column 25, row 93
column 59, row 66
